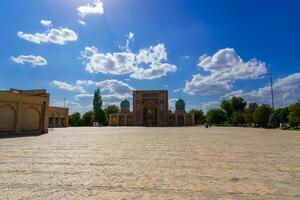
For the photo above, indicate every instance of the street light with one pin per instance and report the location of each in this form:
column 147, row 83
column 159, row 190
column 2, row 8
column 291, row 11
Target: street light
column 271, row 83
column 65, row 102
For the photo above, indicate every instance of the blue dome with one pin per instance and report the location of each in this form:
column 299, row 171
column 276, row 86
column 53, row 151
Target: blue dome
column 125, row 103
column 180, row 103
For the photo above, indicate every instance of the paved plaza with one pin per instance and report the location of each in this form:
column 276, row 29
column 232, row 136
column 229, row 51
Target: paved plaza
column 122, row 163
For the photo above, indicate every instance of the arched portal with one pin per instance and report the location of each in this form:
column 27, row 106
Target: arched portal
column 7, row 118
column 150, row 114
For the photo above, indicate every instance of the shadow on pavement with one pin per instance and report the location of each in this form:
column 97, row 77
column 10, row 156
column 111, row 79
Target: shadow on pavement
column 4, row 135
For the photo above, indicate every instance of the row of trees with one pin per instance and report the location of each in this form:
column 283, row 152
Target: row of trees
column 235, row 112
column 98, row 114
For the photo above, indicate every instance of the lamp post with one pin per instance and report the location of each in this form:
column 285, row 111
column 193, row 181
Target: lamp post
column 271, row 84
column 65, row 102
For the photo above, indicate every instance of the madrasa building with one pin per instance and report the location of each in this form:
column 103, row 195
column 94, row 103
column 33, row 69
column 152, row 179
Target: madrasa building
column 151, row 108
column 28, row 111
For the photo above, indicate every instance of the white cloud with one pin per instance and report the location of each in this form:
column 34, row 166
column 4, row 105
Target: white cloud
column 178, row 90
column 172, row 102
column 112, row 85
column 85, row 82
column 225, row 68
column 68, row 87
column 148, row 63
column 46, row 22
column 112, row 63
column 286, row 91
column 115, row 86
column 186, row 57
column 97, row 7
column 108, row 99
column 130, row 35
column 84, row 97
column 82, row 22
column 56, row 36
column 205, row 106
column 34, row 60
column 72, row 105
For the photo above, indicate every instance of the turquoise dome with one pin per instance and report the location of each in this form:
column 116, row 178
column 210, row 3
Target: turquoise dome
column 125, row 103
column 180, row 104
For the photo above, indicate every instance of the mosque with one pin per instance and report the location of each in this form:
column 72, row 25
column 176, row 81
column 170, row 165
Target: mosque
column 150, row 108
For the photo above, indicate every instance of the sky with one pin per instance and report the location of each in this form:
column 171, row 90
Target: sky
column 200, row 51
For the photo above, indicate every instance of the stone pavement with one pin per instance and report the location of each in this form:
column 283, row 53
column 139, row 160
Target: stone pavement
column 152, row 163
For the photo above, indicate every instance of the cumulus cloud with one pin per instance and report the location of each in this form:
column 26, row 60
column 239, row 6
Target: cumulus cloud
column 286, row 91
column 85, row 82
column 112, row 91
column 97, row 8
column 56, row 36
column 34, row 60
column 68, row 87
column 225, row 67
column 205, row 106
column 150, row 63
column 72, row 105
column 84, row 97
column 178, row 90
column 112, row 85
column 171, row 103
column 108, row 99
column 46, row 22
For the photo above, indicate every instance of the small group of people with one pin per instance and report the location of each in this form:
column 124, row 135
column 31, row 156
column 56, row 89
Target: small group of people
column 207, row 125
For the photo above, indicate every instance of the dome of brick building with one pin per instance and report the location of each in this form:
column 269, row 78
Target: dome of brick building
column 180, row 104
column 125, row 103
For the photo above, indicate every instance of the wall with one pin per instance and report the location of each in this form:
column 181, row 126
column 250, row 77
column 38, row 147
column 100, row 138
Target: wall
column 23, row 112
column 58, row 117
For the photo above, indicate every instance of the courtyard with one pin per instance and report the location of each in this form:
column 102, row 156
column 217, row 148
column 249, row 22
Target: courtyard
column 152, row 163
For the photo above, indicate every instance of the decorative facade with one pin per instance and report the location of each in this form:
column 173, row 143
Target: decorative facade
column 150, row 108
column 24, row 111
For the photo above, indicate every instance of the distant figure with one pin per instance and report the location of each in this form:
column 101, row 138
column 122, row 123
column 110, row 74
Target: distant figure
column 206, row 125
column 280, row 126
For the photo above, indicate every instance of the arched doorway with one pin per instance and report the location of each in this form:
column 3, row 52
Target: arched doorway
column 150, row 114
column 31, row 119
column 7, row 118
column 180, row 120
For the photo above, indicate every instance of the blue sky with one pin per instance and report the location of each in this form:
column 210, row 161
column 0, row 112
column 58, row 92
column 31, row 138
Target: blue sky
column 202, row 51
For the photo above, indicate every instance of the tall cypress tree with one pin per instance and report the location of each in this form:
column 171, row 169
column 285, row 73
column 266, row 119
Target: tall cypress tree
column 97, row 108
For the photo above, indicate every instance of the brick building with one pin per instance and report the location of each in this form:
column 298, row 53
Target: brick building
column 27, row 111
column 150, row 108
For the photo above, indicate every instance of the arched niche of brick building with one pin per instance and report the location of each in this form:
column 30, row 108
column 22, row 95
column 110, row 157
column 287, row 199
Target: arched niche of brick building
column 8, row 117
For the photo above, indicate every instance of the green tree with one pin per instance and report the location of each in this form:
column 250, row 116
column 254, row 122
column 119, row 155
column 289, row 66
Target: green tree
column 198, row 116
column 216, row 116
column 75, row 119
column 97, row 108
column 226, row 105
column 283, row 114
column 111, row 109
column 234, row 109
column 294, row 115
column 87, row 118
column 237, row 118
column 280, row 115
column 274, row 120
column 249, row 113
column 261, row 115
column 238, row 104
